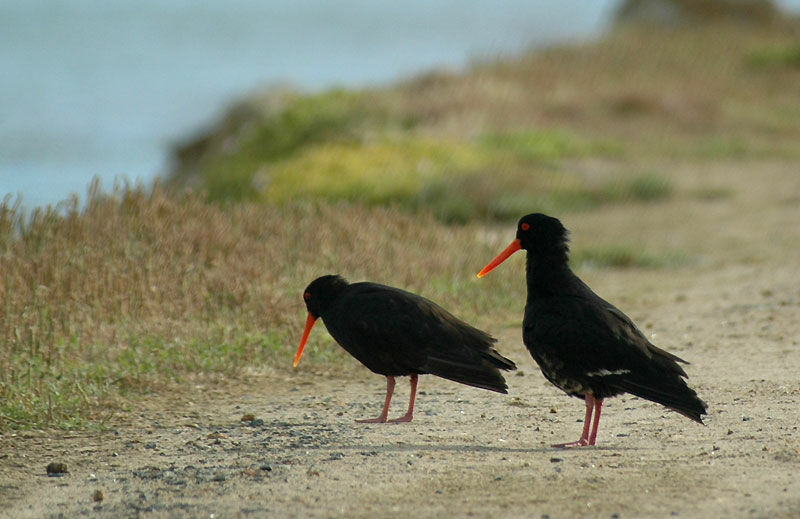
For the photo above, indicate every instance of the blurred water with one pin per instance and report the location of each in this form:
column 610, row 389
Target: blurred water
column 103, row 88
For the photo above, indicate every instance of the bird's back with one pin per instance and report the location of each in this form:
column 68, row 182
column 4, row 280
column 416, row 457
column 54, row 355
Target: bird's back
column 394, row 332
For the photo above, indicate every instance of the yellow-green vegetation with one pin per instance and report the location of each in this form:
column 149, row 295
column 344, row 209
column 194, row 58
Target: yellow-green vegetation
column 624, row 255
column 516, row 134
column 493, row 178
column 779, row 56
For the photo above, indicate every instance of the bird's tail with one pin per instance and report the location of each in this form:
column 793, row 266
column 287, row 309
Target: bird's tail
column 498, row 360
column 483, row 375
column 672, row 393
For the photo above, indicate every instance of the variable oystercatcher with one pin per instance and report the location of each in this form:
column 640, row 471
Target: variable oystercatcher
column 583, row 344
column 396, row 333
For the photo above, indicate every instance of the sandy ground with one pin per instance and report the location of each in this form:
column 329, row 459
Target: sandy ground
column 733, row 310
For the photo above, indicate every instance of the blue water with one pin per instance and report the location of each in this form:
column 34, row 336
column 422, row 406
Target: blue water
column 104, row 88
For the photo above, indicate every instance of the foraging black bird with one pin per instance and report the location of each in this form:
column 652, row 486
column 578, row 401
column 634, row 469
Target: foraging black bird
column 583, row 344
column 396, row 333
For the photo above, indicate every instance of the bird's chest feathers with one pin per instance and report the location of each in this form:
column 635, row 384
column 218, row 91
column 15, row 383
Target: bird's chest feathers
column 551, row 341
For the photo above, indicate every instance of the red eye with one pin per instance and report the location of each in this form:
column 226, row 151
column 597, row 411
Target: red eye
column 307, row 296
column 525, row 226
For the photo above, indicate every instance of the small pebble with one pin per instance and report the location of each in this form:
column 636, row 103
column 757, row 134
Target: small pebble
column 56, row 469
column 98, row 495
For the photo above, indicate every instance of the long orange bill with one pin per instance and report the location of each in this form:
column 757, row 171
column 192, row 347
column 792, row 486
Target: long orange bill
column 511, row 249
column 309, row 324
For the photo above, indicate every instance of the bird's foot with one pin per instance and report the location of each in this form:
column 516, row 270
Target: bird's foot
column 405, row 418
column 583, row 442
column 380, row 419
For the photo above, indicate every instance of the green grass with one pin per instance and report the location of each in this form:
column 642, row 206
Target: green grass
column 775, row 56
column 646, row 187
column 624, row 256
column 538, row 146
column 63, row 382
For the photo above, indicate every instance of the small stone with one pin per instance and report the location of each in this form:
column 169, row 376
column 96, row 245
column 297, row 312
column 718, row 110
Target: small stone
column 57, row 469
column 248, row 417
column 150, row 445
column 556, row 460
column 98, row 495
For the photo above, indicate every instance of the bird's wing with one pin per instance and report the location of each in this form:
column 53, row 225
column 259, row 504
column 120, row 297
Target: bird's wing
column 403, row 329
column 589, row 335
column 589, row 343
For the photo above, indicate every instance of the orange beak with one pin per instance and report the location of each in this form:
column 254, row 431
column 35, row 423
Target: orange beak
column 309, row 324
column 511, row 249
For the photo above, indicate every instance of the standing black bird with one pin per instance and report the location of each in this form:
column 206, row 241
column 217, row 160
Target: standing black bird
column 396, row 333
column 583, row 344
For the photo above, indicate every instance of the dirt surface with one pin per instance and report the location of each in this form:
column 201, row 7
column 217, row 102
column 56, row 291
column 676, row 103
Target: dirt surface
column 732, row 309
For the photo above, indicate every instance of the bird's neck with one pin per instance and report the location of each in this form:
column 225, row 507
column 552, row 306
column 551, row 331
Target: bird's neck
column 547, row 272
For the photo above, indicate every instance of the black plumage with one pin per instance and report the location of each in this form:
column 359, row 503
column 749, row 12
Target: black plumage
column 396, row 333
column 583, row 344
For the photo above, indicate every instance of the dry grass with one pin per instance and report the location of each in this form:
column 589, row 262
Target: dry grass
column 660, row 91
column 141, row 290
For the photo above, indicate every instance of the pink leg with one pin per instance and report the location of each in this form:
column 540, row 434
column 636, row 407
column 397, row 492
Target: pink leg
column 584, row 440
column 410, row 413
column 385, row 413
column 598, row 404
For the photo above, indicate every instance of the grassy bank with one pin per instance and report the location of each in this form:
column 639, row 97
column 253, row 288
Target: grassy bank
column 519, row 133
column 142, row 290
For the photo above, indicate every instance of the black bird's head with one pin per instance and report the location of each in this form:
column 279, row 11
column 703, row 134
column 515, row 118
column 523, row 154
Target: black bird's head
column 319, row 295
column 322, row 292
column 539, row 234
